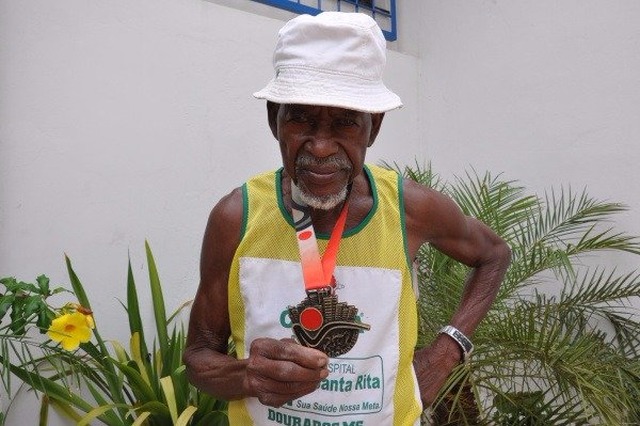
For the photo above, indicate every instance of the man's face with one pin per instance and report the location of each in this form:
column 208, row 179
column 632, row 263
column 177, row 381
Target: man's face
column 323, row 148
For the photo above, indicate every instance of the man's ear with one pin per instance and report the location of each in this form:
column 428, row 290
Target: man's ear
column 272, row 116
column 376, row 122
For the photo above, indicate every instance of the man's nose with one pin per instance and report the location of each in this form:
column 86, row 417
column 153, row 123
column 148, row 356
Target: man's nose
column 320, row 141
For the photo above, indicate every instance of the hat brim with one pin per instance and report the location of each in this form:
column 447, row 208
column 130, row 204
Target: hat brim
column 307, row 86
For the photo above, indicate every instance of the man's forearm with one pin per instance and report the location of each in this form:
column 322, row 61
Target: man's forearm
column 480, row 291
column 434, row 363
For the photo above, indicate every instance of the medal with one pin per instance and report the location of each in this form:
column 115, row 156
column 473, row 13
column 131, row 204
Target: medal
column 320, row 321
column 323, row 323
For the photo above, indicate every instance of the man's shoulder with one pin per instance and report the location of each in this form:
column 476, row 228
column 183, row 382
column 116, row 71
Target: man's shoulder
column 377, row 170
column 265, row 174
column 382, row 175
column 229, row 206
column 266, row 177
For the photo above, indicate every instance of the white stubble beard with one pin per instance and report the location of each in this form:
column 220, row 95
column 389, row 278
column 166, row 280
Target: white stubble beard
column 321, row 202
column 325, row 202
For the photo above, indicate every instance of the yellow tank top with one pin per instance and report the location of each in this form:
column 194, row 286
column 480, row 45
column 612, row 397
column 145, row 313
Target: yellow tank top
column 373, row 384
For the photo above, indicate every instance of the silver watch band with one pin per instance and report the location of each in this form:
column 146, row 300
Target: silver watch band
column 465, row 344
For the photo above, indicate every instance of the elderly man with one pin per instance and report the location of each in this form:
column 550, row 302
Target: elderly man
column 309, row 268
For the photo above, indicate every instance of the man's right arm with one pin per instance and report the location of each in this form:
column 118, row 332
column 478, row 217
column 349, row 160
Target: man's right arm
column 276, row 371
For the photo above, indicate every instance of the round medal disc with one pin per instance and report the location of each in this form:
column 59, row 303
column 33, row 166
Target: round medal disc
column 311, row 319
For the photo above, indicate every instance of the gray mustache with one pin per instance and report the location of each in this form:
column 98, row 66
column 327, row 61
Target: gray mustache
column 306, row 161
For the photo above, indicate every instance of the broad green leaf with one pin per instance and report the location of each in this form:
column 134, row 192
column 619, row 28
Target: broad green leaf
column 141, row 418
column 65, row 410
column 43, row 417
column 137, row 356
column 32, row 304
column 158, row 300
column 43, row 285
column 18, row 320
column 109, row 417
column 185, row 416
column 5, row 303
column 77, row 286
column 133, row 309
column 121, row 353
column 97, row 412
column 157, row 409
column 169, row 393
column 137, row 383
column 180, row 382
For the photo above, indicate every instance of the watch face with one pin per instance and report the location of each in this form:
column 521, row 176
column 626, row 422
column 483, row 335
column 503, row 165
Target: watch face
column 462, row 339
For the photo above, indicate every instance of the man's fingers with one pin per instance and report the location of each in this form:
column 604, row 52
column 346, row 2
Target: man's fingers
column 280, row 371
column 285, row 350
column 276, row 399
column 285, row 371
column 281, row 390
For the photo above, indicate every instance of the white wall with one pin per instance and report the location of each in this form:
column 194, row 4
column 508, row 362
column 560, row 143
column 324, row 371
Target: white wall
column 127, row 119
column 547, row 92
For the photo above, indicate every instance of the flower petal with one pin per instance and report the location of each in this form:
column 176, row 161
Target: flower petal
column 70, row 343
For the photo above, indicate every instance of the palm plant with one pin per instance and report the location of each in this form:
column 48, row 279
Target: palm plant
column 564, row 356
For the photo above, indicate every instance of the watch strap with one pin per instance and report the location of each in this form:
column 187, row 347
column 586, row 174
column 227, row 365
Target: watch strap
column 463, row 341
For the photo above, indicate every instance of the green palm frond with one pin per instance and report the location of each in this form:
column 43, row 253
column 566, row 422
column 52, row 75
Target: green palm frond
column 542, row 351
column 565, row 358
column 562, row 228
column 605, row 298
column 572, row 223
column 423, row 174
column 502, row 205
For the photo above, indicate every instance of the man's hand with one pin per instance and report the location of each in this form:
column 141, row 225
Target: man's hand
column 433, row 365
column 279, row 371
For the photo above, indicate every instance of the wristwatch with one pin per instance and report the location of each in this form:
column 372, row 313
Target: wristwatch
column 465, row 344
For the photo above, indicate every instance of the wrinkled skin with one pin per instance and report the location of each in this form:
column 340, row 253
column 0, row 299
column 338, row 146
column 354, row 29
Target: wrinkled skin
column 323, row 150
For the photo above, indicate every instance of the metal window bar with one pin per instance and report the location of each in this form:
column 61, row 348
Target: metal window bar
column 383, row 11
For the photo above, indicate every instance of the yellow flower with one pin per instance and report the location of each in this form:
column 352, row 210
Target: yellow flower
column 70, row 330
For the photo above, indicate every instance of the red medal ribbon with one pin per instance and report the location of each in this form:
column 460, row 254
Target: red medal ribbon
column 317, row 271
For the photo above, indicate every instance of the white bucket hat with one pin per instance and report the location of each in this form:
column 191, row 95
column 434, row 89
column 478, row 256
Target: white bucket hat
column 332, row 59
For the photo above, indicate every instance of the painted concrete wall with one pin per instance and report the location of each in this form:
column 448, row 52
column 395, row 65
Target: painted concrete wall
column 546, row 92
column 126, row 120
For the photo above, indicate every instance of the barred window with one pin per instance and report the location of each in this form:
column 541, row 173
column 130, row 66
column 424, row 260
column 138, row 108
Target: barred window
column 383, row 11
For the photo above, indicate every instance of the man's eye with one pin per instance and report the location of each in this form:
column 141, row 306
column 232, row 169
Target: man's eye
column 346, row 122
column 299, row 117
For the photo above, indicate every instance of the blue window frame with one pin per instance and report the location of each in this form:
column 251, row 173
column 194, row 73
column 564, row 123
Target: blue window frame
column 383, row 11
